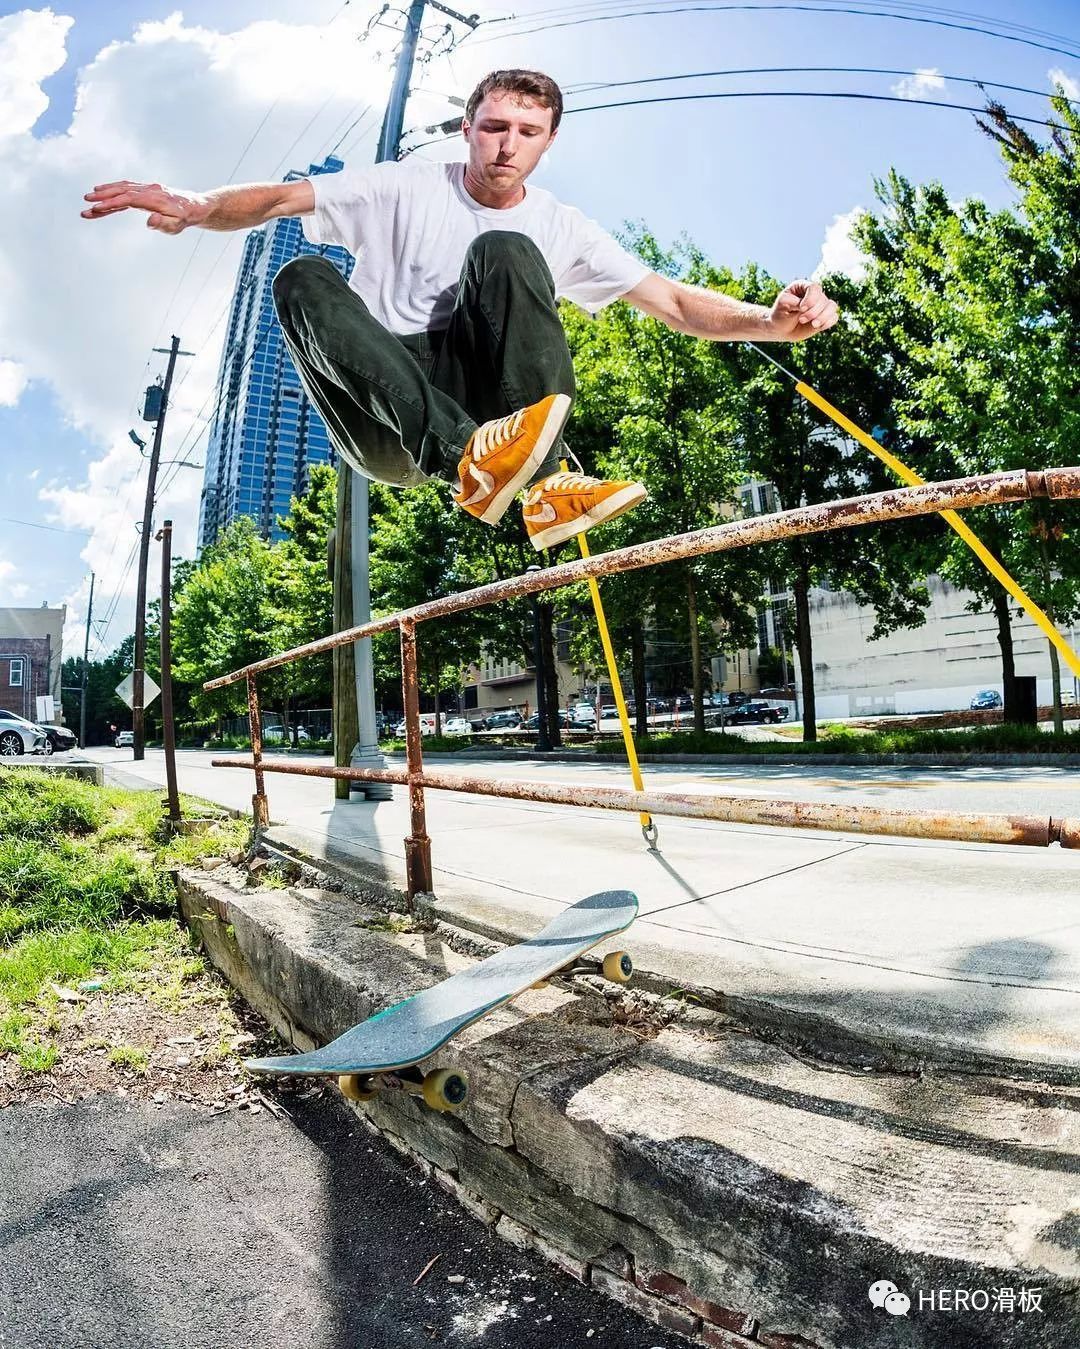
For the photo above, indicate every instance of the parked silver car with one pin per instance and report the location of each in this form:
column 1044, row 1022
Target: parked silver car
column 19, row 736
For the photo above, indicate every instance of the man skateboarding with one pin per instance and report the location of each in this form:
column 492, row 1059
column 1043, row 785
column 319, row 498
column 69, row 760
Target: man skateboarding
column 443, row 355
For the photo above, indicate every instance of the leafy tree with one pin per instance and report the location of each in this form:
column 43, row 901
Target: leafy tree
column 985, row 382
column 653, row 405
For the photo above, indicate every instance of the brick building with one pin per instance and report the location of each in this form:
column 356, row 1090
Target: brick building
column 31, row 653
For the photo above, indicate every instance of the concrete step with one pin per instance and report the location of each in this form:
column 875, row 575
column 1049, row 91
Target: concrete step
column 717, row 1183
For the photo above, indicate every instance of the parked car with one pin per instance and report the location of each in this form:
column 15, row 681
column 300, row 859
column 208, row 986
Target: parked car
column 610, row 710
column 985, row 700
column 509, row 720
column 275, row 735
column 755, row 712
column 19, row 736
column 57, row 738
column 583, row 714
column 456, row 726
column 533, row 723
column 125, row 740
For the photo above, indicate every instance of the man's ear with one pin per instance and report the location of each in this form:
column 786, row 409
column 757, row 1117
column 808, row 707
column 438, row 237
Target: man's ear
column 466, row 127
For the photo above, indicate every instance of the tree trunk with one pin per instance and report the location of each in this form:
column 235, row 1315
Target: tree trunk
column 1055, row 664
column 436, row 665
column 551, row 672
column 1011, row 711
column 801, row 591
column 695, row 655
column 637, row 667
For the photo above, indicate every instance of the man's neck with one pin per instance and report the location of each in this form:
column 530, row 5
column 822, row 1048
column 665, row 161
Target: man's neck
column 485, row 196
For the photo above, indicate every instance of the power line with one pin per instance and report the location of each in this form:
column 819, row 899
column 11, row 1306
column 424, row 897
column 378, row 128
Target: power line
column 775, row 5
column 773, row 93
column 595, row 86
column 918, row 8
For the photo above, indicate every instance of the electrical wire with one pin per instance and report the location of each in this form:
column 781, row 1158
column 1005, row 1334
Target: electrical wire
column 596, row 86
column 775, row 6
column 827, row 5
column 771, row 93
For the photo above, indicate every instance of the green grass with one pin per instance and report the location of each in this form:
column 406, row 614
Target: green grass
column 84, row 893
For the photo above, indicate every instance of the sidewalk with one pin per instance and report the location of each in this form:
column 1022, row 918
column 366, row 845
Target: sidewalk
column 893, row 953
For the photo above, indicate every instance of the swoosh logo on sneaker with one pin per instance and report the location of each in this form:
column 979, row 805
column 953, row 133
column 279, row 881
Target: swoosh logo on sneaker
column 485, row 485
column 543, row 516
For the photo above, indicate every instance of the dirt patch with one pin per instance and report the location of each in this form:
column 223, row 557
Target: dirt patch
column 150, row 1043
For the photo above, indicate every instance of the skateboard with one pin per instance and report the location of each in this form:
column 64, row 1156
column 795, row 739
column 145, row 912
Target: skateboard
column 384, row 1052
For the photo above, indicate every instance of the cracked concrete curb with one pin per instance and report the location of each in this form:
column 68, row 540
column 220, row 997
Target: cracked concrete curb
column 710, row 1181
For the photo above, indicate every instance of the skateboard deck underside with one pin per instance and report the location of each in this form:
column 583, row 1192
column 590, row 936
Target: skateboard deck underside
column 409, row 1031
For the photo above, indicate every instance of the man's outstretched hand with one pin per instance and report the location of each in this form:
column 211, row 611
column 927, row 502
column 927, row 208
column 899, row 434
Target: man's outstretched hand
column 168, row 210
column 802, row 310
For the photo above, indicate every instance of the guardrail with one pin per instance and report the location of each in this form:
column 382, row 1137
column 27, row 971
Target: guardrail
column 897, row 504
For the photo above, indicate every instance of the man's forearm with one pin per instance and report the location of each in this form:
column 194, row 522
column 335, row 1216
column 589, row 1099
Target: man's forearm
column 242, row 206
column 713, row 315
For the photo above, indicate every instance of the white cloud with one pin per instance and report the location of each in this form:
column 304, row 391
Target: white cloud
column 1058, row 76
column 86, row 301
column 925, row 81
column 839, row 252
column 31, row 49
column 12, row 382
column 12, row 592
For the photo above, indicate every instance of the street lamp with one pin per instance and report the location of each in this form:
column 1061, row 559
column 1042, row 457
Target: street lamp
column 543, row 740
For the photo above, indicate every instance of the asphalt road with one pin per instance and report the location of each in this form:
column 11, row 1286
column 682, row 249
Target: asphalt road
column 129, row 1226
column 1053, row 791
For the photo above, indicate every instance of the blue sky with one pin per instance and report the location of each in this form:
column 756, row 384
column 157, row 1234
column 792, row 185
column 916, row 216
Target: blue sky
column 748, row 178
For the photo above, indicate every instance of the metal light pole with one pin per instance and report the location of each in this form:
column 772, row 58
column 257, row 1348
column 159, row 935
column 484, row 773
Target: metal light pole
column 366, row 752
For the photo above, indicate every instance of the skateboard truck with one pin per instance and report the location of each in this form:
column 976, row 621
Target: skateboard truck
column 442, row 1089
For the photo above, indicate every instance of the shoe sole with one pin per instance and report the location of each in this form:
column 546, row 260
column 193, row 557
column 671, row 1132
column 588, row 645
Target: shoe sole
column 608, row 509
column 553, row 423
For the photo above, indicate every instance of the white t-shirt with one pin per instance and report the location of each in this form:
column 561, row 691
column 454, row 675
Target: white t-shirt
column 409, row 225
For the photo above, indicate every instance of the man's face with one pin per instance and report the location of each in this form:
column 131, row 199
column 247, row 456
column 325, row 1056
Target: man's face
column 506, row 139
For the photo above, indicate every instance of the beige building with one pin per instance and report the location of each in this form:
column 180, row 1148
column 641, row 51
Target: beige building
column 31, row 654
column 936, row 668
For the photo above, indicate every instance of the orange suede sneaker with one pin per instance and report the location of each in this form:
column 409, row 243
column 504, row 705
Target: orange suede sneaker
column 503, row 455
column 566, row 504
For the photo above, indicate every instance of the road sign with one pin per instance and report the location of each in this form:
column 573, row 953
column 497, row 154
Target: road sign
column 126, row 687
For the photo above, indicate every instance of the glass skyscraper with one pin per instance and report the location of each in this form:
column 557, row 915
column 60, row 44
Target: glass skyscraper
column 265, row 434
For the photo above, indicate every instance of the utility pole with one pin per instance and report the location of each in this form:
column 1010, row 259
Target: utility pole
column 167, row 724
column 137, row 709
column 85, row 663
column 366, row 753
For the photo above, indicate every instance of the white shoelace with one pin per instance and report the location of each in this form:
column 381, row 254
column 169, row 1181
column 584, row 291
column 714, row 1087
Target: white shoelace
column 493, row 434
column 568, row 481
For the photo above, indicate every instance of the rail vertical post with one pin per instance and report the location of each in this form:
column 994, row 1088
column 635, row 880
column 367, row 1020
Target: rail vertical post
column 259, row 807
column 417, row 845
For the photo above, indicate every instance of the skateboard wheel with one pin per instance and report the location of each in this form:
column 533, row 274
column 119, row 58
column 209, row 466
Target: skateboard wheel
column 540, row 983
column 618, row 967
column 356, row 1088
column 445, row 1089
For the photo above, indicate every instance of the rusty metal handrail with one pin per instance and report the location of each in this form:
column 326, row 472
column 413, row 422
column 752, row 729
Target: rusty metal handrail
column 1034, row 831
column 898, row 503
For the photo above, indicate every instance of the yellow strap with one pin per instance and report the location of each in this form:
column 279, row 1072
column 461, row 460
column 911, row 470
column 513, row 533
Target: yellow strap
column 980, row 550
column 616, row 683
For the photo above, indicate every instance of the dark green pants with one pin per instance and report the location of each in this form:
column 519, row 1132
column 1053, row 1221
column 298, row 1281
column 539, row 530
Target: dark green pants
column 401, row 408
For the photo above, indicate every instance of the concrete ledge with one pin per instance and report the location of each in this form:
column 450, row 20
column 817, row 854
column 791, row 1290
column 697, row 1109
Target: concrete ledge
column 719, row 1186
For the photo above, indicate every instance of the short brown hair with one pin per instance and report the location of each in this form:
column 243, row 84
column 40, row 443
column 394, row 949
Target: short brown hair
column 531, row 83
